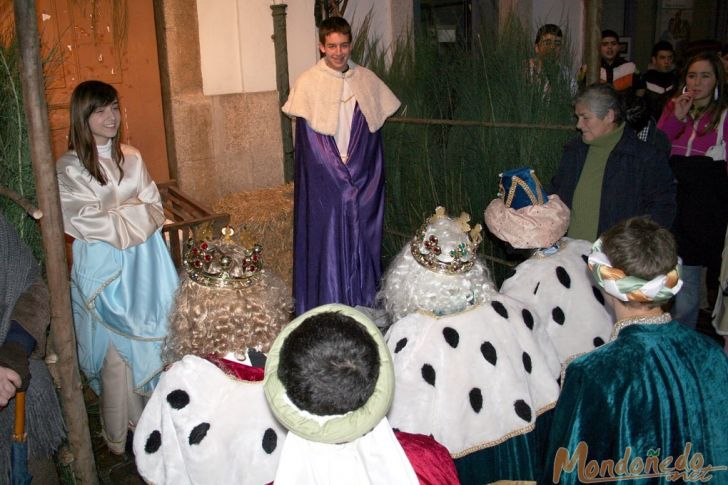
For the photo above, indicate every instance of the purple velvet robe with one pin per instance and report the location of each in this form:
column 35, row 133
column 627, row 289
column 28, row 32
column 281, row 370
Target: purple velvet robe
column 338, row 216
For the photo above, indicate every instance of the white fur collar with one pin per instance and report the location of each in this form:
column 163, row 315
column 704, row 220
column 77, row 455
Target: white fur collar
column 316, row 95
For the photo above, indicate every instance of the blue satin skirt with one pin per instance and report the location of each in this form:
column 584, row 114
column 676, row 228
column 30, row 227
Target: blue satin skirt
column 122, row 298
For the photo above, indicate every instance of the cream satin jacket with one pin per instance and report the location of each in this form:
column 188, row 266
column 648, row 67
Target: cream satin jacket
column 123, row 214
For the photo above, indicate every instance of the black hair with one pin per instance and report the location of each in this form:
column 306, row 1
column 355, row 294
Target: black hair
column 329, row 365
column 663, row 45
column 552, row 29
column 610, row 33
column 636, row 111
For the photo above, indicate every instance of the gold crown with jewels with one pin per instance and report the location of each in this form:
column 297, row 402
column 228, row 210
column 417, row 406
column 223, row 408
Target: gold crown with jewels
column 223, row 263
column 454, row 256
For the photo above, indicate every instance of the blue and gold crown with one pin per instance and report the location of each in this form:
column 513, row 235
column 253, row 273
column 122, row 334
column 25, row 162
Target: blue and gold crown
column 223, row 263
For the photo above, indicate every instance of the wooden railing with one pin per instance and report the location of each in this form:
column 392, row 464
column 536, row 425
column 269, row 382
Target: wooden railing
column 185, row 213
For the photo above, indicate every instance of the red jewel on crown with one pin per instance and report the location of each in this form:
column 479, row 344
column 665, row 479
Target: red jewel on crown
column 426, row 250
column 223, row 263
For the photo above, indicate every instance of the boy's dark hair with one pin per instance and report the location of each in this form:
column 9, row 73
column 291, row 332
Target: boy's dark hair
column 610, row 33
column 329, row 365
column 663, row 45
column 640, row 247
column 332, row 25
column 636, row 113
column 552, row 29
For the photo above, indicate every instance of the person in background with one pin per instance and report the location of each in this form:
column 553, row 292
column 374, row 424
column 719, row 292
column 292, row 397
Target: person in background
column 329, row 379
column 607, row 174
column 24, row 319
column 548, row 41
column 639, row 119
column 660, row 81
column 615, row 70
column 649, row 405
column 545, row 67
column 695, row 122
column 339, row 176
column 123, row 279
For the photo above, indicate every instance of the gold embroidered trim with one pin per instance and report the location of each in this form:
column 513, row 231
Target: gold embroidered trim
column 536, row 199
column 505, row 437
column 467, row 309
column 566, row 364
column 651, row 320
column 513, row 482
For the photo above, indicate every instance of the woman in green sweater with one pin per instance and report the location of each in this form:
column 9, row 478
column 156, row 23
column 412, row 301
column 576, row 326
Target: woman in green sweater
column 607, row 174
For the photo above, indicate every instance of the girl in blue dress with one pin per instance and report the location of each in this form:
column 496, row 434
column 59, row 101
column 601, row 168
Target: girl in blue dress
column 123, row 279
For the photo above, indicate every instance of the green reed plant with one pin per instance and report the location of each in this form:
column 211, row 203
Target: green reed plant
column 16, row 171
column 458, row 166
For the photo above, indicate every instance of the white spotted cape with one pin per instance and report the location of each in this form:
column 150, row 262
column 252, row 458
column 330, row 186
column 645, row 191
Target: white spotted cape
column 567, row 301
column 471, row 379
column 232, row 449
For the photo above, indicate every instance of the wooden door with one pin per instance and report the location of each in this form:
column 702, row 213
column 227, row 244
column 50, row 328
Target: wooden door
column 112, row 41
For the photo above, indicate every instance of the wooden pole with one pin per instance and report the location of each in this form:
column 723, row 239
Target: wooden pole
column 62, row 335
column 593, row 40
column 281, row 52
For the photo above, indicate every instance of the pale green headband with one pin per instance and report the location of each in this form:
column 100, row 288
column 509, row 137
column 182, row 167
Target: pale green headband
column 338, row 428
column 631, row 288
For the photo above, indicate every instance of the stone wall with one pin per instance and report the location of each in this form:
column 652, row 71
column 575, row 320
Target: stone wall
column 216, row 145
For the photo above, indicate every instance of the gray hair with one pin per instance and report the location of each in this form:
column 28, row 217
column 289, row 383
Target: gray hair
column 599, row 99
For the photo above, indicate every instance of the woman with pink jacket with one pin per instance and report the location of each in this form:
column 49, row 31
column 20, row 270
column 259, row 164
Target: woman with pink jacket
column 695, row 122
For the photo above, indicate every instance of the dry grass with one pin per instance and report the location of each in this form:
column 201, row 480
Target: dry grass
column 265, row 216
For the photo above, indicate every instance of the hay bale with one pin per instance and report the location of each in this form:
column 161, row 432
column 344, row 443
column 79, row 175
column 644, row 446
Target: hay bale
column 265, row 216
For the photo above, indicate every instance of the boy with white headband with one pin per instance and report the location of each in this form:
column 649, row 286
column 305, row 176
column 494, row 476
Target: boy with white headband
column 651, row 402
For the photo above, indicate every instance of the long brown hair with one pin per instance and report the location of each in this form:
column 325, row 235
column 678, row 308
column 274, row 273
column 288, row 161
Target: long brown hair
column 716, row 106
column 87, row 97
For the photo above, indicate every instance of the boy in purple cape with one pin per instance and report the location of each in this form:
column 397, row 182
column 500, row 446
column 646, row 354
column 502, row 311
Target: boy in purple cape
column 339, row 177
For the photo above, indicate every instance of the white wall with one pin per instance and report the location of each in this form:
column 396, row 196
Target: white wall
column 381, row 25
column 302, row 38
column 236, row 45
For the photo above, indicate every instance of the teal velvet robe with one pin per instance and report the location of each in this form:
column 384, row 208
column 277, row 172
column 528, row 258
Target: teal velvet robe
column 660, row 390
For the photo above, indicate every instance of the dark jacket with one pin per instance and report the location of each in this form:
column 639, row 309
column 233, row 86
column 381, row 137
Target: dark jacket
column 637, row 181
